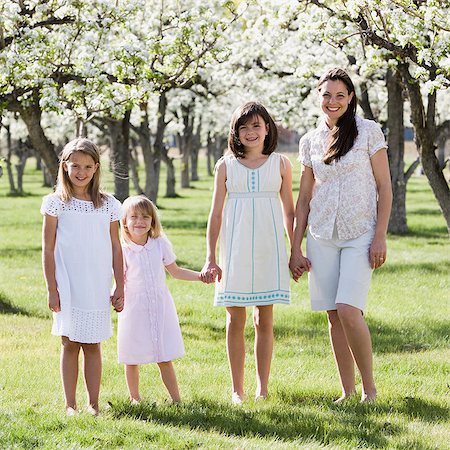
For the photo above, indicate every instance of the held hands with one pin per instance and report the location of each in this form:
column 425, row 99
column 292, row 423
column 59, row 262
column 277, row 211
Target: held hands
column 377, row 252
column 54, row 303
column 298, row 265
column 209, row 273
column 117, row 299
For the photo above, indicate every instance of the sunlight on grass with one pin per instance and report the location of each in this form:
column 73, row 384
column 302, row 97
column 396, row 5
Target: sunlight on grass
column 408, row 314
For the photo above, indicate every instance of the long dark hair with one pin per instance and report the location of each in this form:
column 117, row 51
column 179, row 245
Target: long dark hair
column 240, row 117
column 344, row 133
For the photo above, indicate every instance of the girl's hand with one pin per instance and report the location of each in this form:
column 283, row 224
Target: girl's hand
column 377, row 252
column 209, row 273
column 298, row 265
column 54, row 303
column 117, row 300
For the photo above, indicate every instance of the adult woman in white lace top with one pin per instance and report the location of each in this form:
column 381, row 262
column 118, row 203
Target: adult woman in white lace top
column 345, row 199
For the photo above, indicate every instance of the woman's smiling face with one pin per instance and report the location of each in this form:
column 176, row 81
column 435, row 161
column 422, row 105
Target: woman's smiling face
column 334, row 100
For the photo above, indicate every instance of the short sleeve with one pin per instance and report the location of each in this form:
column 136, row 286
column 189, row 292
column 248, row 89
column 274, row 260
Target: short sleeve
column 115, row 209
column 168, row 255
column 376, row 140
column 304, row 151
column 51, row 205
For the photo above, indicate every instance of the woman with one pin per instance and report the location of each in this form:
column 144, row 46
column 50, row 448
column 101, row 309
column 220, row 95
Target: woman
column 345, row 197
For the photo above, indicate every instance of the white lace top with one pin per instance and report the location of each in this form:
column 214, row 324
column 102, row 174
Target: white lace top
column 345, row 193
column 83, row 266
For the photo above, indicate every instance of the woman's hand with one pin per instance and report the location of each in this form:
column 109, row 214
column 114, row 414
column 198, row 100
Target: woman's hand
column 299, row 264
column 209, row 273
column 377, row 252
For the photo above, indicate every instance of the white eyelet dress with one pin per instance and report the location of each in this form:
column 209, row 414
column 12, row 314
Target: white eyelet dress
column 83, row 266
column 253, row 254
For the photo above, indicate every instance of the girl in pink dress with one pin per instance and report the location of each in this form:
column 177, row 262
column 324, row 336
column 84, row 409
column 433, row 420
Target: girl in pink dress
column 148, row 328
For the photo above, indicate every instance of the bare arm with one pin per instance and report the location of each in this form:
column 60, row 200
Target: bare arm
column 117, row 299
column 380, row 168
column 286, row 197
column 48, row 261
column 298, row 263
column 214, row 224
column 182, row 274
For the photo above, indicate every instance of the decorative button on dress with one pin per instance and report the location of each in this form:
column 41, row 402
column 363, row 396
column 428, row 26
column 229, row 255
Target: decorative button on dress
column 148, row 327
column 83, row 267
column 253, row 254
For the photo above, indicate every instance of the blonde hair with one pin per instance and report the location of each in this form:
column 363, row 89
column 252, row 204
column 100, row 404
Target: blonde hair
column 64, row 187
column 143, row 205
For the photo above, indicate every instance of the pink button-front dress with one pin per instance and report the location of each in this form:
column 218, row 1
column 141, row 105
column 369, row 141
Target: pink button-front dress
column 148, row 327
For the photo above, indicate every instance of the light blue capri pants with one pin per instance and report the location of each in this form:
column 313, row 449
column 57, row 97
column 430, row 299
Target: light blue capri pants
column 340, row 271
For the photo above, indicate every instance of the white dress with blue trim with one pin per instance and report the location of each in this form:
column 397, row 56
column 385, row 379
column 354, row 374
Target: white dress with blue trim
column 253, row 255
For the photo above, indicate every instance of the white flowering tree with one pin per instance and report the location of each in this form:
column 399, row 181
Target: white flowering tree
column 387, row 46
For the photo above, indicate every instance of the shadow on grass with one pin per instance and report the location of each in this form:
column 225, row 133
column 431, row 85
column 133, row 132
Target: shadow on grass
column 308, row 417
column 416, row 337
column 439, row 268
column 427, row 233
column 185, row 224
column 408, row 407
column 20, row 252
column 6, row 307
column 311, row 329
column 359, row 427
column 425, row 212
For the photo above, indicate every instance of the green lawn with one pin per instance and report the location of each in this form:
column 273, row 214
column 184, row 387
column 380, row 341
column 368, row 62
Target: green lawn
column 408, row 314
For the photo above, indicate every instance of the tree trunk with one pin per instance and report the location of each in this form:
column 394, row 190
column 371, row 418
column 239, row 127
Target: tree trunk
column 209, row 154
column 364, row 102
column 22, row 154
column 81, row 128
column 12, row 185
column 134, row 171
column 31, row 115
column 424, row 128
column 396, row 152
column 170, row 176
column 442, row 136
column 120, row 132
column 186, row 144
column 196, row 144
column 159, row 148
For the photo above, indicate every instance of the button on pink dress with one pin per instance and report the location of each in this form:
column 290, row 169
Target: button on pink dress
column 148, row 327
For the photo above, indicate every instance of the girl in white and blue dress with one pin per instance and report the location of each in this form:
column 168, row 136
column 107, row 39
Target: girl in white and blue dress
column 345, row 199
column 253, row 266
column 80, row 252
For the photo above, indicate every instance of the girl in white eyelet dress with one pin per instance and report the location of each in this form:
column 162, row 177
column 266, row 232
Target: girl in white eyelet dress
column 148, row 328
column 81, row 250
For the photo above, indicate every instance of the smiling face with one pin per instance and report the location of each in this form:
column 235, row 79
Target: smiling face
column 334, row 100
column 253, row 133
column 80, row 168
column 138, row 224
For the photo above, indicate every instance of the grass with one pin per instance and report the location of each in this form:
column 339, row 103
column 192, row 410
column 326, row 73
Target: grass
column 408, row 314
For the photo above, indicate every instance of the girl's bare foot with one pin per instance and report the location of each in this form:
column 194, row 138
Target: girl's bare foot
column 368, row 397
column 71, row 411
column 344, row 397
column 93, row 410
column 237, row 399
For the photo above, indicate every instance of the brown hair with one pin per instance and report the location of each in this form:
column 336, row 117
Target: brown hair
column 240, row 117
column 64, row 186
column 344, row 133
column 143, row 205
